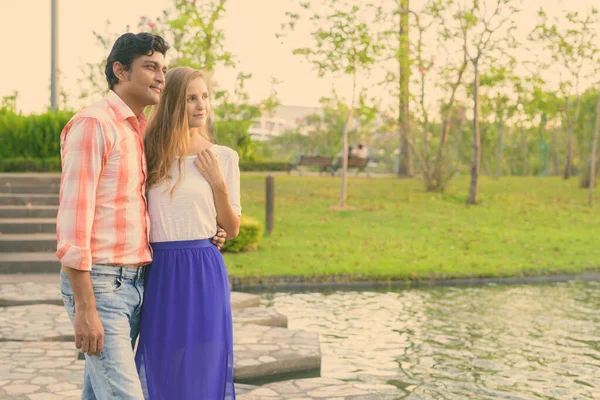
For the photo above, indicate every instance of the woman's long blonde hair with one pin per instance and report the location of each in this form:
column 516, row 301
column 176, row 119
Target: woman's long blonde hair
column 168, row 134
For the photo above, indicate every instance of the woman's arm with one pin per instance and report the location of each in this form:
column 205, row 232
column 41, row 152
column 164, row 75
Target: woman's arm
column 227, row 217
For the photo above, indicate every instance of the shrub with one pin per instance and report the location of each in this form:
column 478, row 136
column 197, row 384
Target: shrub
column 247, row 239
column 260, row 166
column 22, row 164
column 32, row 136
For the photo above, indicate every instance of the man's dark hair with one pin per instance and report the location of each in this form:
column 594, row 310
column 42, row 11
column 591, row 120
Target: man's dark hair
column 130, row 46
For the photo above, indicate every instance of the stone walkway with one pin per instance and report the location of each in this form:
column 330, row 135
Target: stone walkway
column 38, row 359
column 307, row 389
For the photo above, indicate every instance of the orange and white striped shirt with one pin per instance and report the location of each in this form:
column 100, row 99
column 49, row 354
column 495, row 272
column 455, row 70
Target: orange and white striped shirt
column 102, row 216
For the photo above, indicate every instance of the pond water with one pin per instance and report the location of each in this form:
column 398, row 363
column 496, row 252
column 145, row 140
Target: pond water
column 490, row 342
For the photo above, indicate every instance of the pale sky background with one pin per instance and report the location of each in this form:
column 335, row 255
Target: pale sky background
column 249, row 25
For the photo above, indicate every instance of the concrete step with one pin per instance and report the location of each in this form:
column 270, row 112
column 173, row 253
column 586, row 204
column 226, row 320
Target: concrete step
column 31, row 242
column 27, row 225
column 23, row 199
column 29, row 178
column 244, row 300
column 320, row 388
column 50, row 319
column 262, row 353
column 268, row 354
column 48, row 371
column 28, row 211
column 52, row 188
column 259, row 316
column 28, row 263
column 28, row 289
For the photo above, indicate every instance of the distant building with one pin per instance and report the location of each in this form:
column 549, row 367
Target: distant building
column 282, row 119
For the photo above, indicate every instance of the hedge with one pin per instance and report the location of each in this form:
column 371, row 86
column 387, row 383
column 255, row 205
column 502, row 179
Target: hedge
column 247, row 239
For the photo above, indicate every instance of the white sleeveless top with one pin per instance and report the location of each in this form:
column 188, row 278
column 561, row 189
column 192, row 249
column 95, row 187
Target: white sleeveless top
column 190, row 213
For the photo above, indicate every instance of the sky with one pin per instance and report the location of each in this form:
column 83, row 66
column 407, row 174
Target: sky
column 249, row 26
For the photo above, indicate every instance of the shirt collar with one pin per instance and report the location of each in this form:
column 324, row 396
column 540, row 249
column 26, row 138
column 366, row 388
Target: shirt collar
column 123, row 112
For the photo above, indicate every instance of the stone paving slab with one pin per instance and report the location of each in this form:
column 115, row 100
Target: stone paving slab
column 25, row 293
column 49, row 322
column 259, row 316
column 313, row 388
column 266, row 353
column 41, row 322
column 40, row 371
column 260, row 353
column 47, row 371
column 244, row 300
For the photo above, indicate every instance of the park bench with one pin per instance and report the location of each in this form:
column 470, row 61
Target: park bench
column 321, row 162
column 353, row 162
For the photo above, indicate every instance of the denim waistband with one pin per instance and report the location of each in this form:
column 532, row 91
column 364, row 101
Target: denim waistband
column 123, row 272
column 181, row 244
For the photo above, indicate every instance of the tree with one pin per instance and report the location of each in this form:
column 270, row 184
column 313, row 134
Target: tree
column 480, row 46
column 191, row 30
column 343, row 43
column 594, row 149
column 405, row 164
column 574, row 49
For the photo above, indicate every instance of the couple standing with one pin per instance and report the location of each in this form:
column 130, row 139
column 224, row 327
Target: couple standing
column 135, row 192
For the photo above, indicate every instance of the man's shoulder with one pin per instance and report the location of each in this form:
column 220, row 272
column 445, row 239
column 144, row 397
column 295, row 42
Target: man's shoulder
column 100, row 111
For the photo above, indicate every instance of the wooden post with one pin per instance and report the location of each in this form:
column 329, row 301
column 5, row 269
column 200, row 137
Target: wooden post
column 270, row 202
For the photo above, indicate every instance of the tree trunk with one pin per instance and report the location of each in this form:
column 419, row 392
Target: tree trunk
column 569, row 162
column 438, row 172
column 405, row 164
column 572, row 125
column 343, row 191
column 499, row 151
column 594, row 146
column 524, row 150
column 476, row 140
column 554, row 153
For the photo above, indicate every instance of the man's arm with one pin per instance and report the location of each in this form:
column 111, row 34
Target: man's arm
column 219, row 239
column 83, row 155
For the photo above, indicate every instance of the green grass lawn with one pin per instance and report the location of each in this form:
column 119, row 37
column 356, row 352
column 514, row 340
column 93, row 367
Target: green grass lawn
column 522, row 226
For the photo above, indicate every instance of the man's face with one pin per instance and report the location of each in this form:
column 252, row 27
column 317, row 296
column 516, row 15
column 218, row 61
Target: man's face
column 145, row 80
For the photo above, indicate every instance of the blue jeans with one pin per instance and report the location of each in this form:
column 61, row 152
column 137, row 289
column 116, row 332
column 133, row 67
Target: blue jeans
column 119, row 295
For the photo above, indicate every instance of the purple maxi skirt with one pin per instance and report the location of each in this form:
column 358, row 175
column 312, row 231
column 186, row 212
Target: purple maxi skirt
column 185, row 349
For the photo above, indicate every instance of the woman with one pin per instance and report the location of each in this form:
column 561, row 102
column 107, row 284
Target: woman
column 186, row 342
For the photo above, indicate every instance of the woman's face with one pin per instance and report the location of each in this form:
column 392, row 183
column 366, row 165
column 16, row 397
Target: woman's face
column 198, row 103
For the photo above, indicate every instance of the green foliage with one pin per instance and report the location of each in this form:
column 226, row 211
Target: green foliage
column 21, row 164
column 264, row 166
column 31, row 136
column 247, row 239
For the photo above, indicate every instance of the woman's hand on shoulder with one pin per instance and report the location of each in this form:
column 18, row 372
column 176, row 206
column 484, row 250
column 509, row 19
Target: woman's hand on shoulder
column 209, row 167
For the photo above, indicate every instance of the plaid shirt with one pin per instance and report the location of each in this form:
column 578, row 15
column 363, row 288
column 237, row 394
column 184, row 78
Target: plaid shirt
column 102, row 216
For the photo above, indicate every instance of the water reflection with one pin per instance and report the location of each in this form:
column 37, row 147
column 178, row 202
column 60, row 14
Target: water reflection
column 491, row 342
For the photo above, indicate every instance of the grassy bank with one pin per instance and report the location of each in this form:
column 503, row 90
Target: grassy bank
column 523, row 226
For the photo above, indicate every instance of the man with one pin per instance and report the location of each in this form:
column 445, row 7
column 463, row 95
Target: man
column 102, row 225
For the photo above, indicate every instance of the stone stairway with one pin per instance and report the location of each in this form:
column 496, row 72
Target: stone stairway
column 28, row 207
column 39, row 360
